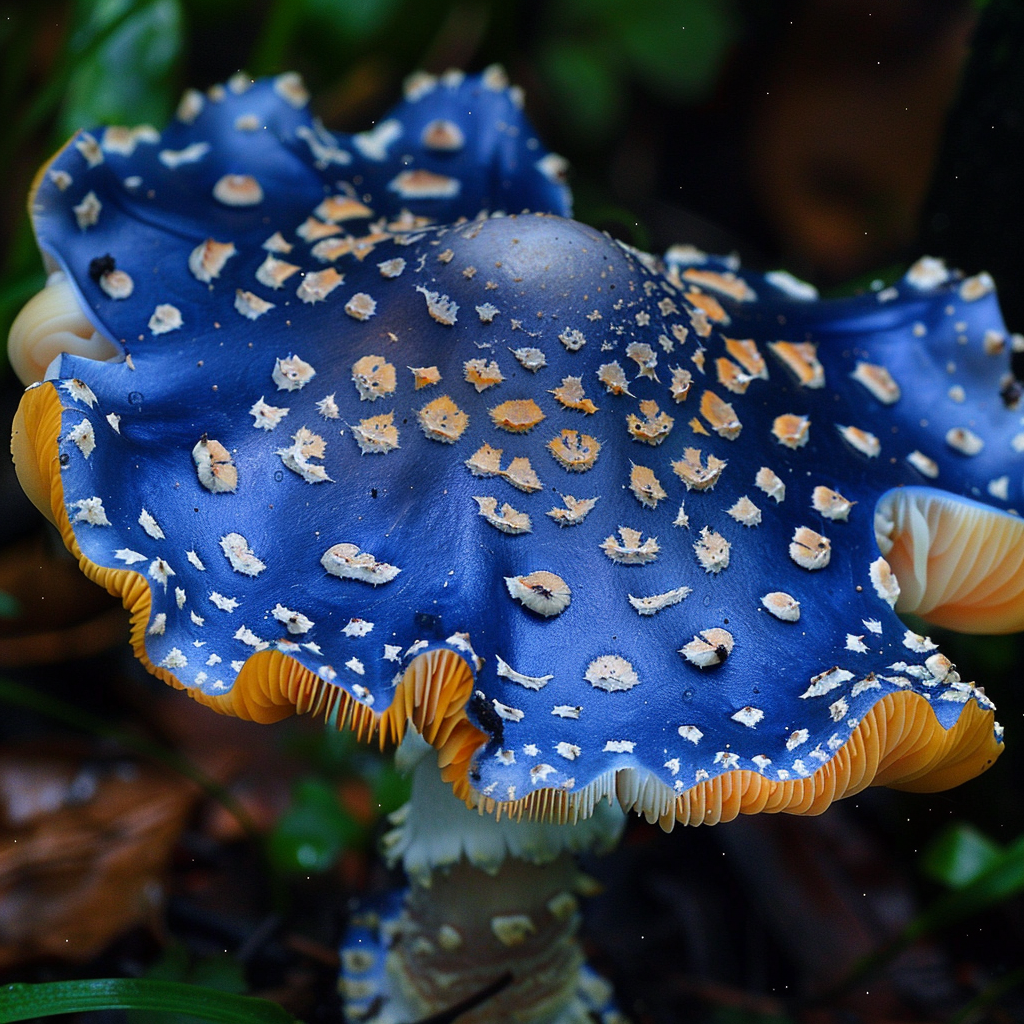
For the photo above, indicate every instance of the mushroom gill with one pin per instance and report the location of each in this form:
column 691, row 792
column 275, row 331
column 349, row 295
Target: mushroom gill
column 959, row 564
column 50, row 323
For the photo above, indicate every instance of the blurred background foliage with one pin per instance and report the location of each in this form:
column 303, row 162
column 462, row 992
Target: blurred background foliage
column 833, row 137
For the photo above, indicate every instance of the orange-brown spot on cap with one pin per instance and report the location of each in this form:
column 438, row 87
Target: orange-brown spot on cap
column 720, row 415
column 238, row 190
column 522, row 476
column 709, row 306
column 645, row 358
column 747, row 354
column 574, row 512
column 373, row 377
column 679, row 385
column 376, row 435
column 924, row 464
column 574, row 451
column 485, row 461
column 731, row 376
column 653, row 428
column 782, row 605
column 727, row 283
column 645, row 486
column 421, row 184
column 810, row 550
column 963, row 440
column 517, row 416
column 630, row 548
column 339, row 208
column 442, row 420
column 207, row 259
column 712, row 550
column 791, row 430
column 543, row 592
column 801, row 359
column 442, row 135
column 878, row 381
column 744, row 511
column 770, row 483
column 883, row 579
column 327, row 250
column 613, row 377
column 272, row 272
column 313, row 230
column 214, row 467
column 702, row 327
column 425, row 376
column 831, row 504
column 711, row 647
column 482, row 374
column 361, row 306
column 696, row 475
column 318, row 285
column 862, row 440
column 570, row 394
column 507, row 519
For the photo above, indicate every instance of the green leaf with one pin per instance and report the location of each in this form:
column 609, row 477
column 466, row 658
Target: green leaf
column 677, row 46
column 585, row 82
column 218, row 971
column 390, row 788
column 23, row 1002
column 127, row 80
column 313, row 832
column 1001, row 879
column 355, row 20
column 960, row 856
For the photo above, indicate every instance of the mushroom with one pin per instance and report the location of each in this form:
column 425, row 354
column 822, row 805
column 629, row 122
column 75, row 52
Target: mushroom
column 600, row 528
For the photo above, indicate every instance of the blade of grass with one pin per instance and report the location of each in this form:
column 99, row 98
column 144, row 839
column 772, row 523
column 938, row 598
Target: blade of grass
column 25, row 697
column 23, row 1002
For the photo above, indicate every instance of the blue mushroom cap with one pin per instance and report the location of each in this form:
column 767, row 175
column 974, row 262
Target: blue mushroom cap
column 655, row 505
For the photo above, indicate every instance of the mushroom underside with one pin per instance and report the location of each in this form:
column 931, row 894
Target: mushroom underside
column 959, row 564
column 51, row 322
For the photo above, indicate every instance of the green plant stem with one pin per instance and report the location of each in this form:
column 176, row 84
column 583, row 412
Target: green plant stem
column 23, row 1002
column 25, row 697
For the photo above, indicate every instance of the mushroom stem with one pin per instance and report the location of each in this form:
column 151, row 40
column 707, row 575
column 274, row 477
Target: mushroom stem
column 492, row 908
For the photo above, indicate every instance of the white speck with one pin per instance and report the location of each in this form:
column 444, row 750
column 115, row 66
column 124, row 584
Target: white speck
column 241, row 557
column 91, row 511
column 150, row 525
column 619, row 747
column 248, row 637
column 296, row 622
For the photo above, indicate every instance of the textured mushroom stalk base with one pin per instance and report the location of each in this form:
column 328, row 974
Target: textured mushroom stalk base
column 512, row 935
column 492, row 907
